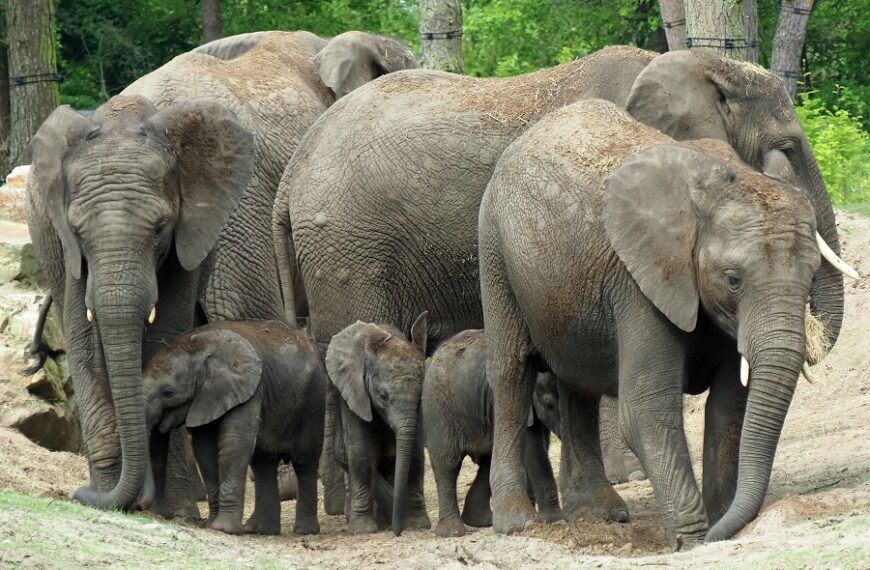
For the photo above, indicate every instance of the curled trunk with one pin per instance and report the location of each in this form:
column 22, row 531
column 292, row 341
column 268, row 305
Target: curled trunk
column 775, row 347
column 406, row 441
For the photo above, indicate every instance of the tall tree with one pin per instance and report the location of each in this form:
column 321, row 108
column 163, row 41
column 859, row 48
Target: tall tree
column 789, row 41
column 33, row 78
column 674, row 21
column 750, row 23
column 5, row 119
column 717, row 26
column 212, row 21
column 441, row 35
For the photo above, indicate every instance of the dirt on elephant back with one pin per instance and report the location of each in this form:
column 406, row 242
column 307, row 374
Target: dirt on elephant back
column 817, row 514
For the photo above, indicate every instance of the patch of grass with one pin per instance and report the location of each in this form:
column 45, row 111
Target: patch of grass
column 862, row 208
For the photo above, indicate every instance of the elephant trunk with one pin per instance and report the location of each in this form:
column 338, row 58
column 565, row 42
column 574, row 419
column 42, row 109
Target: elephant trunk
column 406, row 443
column 121, row 306
column 775, row 346
column 826, row 292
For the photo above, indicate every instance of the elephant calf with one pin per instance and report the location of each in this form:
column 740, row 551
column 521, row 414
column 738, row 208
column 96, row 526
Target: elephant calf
column 458, row 421
column 249, row 392
column 378, row 375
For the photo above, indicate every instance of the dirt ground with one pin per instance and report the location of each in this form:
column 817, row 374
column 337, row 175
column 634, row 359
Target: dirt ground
column 817, row 513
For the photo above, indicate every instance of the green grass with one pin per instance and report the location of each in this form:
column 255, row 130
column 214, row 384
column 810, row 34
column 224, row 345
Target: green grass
column 862, row 208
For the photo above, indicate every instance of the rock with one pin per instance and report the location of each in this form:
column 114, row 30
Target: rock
column 17, row 179
column 625, row 550
column 47, row 425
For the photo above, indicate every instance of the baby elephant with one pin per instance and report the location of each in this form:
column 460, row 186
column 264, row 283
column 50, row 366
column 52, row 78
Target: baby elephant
column 377, row 376
column 458, row 421
column 249, row 392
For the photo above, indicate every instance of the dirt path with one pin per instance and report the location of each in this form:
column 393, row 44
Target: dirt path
column 817, row 513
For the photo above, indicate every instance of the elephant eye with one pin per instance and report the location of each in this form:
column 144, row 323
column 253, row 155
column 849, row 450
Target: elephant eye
column 383, row 395
column 167, row 393
column 734, row 281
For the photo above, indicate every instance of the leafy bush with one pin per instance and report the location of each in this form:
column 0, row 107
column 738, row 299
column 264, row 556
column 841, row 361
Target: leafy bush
column 841, row 146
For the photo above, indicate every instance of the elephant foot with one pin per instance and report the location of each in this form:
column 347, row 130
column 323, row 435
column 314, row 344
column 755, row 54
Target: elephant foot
column 477, row 517
column 514, row 513
column 418, row 521
column 362, row 525
column 227, row 524
column 686, row 542
column 623, row 469
column 604, row 503
column 259, row 524
column 333, row 503
column 551, row 515
column 307, row 526
column 450, row 527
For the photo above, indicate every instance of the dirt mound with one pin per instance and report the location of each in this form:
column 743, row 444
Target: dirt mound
column 26, row 467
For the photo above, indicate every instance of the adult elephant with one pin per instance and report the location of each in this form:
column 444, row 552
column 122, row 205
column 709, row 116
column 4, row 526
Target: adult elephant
column 382, row 196
column 639, row 267
column 152, row 210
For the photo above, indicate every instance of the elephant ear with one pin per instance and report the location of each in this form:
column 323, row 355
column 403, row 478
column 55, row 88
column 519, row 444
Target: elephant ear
column 651, row 219
column 778, row 167
column 231, row 374
column 60, row 132
column 419, row 332
column 352, row 59
column 215, row 157
column 345, row 364
column 680, row 94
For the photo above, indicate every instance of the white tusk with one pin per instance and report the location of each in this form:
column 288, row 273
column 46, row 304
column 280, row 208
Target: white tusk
column 744, row 371
column 834, row 259
column 153, row 315
column 805, row 370
column 89, row 315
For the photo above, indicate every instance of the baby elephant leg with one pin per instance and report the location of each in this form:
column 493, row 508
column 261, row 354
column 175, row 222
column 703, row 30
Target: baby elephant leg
column 306, row 498
column 476, row 510
column 446, row 465
column 266, row 518
column 238, row 432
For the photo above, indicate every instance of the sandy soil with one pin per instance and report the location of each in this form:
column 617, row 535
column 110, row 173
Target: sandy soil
column 817, row 513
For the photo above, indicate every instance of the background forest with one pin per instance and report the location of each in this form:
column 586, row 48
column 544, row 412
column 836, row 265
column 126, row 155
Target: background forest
column 103, row 45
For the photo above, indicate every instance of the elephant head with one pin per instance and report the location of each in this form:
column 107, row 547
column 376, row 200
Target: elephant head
column 353, row 58
column 545, row 402
column 199, row 378
column 125, row 190
column 378, row 371
column 697, row 228
column 692, row 95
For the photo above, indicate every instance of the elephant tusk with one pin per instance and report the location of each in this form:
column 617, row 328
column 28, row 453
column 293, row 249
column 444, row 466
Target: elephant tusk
column 90, row 315
column 152, row 316
column 805, row 370
column 744, row 371
column 834, row 259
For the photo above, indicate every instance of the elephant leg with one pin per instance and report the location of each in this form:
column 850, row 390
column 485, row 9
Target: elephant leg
column 651, row 379
column 288, row 487
column 266, row 518
column 331, row 473
column 182, row 478
column 205, row 447
column 539, row 474
column 723, row 424
column 620, row 464
column 236, row 439
column 586, row 492
column 445, row 466
column 476, row 509
column 360, row 469
column 418, row 516
column 306, row 498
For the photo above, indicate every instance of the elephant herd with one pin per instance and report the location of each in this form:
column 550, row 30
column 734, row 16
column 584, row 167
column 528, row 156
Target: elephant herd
column 628, row 225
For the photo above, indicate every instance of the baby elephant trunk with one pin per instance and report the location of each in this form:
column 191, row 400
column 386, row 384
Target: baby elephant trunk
column 406, row 442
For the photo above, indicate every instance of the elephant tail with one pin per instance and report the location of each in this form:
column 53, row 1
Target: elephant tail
column 285, row 253
column 38, row 349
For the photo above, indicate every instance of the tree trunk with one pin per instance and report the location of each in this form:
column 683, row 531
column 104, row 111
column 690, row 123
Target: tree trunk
column 441, row 35
column 5, row 119
column 212, row 23
column 33, row 93
column 716, row 26
column 674, row 22
column 750, row 21
column 789, row 41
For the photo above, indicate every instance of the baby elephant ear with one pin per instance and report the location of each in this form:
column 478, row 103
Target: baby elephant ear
column 345, row 364
column 419, row 331
column 352, row 59
column 231, row 374
column 651, row 220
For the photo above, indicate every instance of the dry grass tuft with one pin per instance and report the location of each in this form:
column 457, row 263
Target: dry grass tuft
column 817, row 339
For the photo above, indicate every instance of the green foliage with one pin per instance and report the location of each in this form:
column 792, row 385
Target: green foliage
column 841, row 146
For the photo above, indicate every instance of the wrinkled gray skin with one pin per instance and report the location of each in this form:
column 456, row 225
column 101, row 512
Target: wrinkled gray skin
column 127, row 209
column 659, row 263
column 458, row 422
column 249, row 392
column 377, row 378
column 413, row 153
